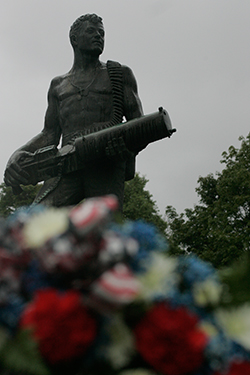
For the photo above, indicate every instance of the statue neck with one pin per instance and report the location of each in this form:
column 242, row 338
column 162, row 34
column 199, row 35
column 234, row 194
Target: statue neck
column 85, row 62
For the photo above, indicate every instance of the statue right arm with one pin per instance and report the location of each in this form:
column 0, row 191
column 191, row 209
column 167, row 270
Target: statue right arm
column 50, row 135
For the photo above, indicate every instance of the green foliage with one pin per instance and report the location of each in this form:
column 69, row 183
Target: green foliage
column 218, row 229
column 139, row 204
column 236, row 282
column 10, row 202
column 20, row 355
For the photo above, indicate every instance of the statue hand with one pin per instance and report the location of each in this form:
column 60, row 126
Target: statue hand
column 116, row 148
column 14, row 174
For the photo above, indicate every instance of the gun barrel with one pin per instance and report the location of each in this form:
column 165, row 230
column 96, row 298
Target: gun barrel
column 136, row 134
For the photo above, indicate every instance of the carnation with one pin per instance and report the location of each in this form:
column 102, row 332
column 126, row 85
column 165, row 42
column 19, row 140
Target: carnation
column 236, row 368
column 45, row 225
column 236, row 323
column 207, row 292
column 160, row 278
column 170, row 340
column 62, row 326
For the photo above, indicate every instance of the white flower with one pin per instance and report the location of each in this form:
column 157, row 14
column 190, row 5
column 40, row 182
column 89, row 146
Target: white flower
column 236, row 323
column 45, row 225
column 122, row 345
column 207, row 292
column 159, row 278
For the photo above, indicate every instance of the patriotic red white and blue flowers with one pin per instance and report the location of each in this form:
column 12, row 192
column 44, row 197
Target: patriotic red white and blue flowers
column 82, row 294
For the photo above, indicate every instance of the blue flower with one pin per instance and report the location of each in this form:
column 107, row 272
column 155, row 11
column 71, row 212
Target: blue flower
column 240, row 353
column 34, row 278
column 192, row 270
column 11, row 312
column 177, row 298
column 219, row 351
column 149, row 240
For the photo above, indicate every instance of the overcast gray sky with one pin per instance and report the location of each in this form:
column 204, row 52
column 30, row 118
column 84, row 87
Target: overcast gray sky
column 190, row 56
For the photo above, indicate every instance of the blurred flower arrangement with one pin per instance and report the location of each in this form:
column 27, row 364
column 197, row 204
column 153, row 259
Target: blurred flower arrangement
column 81, row 294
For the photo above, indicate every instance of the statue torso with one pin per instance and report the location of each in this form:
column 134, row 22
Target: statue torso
column 82, row 105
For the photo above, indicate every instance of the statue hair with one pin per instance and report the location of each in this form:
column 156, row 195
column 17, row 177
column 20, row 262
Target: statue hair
column 79, row 21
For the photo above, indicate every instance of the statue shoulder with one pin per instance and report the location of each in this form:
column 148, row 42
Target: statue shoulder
column 129, row 77
column 56, row 83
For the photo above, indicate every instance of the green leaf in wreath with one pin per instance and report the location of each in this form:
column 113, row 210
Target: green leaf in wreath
column 4, row 336
column 21, row 354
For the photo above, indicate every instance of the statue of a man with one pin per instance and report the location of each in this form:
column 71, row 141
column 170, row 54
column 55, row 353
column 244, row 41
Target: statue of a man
column 93, row 95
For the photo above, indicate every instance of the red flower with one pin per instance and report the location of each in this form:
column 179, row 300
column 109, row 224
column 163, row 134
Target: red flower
column 170, row 341
column 241, row 368
column 62, row 326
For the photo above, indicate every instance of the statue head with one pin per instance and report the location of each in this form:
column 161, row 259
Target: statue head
column 79, row 24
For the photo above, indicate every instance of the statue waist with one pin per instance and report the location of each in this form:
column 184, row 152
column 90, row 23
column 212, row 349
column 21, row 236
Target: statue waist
column 70, row 137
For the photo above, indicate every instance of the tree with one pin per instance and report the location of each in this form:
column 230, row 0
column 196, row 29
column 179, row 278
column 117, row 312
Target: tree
column 139, row 203
column 218, row 229
column 10, row 202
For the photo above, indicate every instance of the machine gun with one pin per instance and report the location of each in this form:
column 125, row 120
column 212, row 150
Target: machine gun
column 49, row 161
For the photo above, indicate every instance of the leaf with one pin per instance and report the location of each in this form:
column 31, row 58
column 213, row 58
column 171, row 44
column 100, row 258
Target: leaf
column 236, row 282
column 218, row 228
column 21, row 354
column 3, row 337
column 139, row 204
column 10, row 202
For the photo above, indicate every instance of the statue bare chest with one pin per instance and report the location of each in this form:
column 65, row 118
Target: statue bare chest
column 83, row 103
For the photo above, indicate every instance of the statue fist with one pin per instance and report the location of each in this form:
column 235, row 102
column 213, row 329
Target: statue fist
column 14, row 175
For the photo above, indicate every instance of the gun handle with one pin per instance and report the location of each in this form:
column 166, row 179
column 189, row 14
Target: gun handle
column 17, row 189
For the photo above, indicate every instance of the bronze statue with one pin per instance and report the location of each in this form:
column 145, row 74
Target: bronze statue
column 91, row 97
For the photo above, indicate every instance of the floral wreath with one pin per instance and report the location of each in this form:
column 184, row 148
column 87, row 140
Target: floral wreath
column 81, row 294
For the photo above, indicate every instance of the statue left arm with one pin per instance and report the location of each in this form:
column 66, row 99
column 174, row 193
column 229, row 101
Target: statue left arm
column 132, row 109
column 132, row 103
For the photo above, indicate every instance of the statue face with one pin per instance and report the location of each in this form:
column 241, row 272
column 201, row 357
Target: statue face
column 91, row 38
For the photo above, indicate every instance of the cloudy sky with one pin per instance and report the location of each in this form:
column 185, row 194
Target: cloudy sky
column 189, row 56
